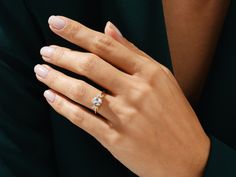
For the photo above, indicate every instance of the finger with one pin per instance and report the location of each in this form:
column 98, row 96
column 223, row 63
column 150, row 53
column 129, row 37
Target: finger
column 114, row 32
column 98, row 43
column 77, row 90
column 55, row 46
column 78, row 115
column 88, row 65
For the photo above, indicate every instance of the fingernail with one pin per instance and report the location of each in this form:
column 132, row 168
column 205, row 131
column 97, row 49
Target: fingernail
column 47, row 51
column 41, row 71
column 57, row 22
column 112, row 26
column 49, row 95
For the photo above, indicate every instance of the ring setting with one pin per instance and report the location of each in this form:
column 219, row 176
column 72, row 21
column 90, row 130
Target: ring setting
column 97, row 101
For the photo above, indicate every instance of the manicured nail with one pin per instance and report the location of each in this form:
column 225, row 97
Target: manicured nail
column 112, row 26
column 49, row 95
column 57, row 22
column 47, row 51
column 41, row 71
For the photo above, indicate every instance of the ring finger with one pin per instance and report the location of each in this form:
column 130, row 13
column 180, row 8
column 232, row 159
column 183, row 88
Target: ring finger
column 77, row 90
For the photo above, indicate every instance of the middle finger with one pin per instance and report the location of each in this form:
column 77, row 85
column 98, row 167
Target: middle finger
column 97, row 43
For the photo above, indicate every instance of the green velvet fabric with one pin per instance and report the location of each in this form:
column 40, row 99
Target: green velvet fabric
column 35, row 141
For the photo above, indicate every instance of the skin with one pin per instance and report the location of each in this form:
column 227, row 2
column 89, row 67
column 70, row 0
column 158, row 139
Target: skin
column 145, row 120
column 193, row 28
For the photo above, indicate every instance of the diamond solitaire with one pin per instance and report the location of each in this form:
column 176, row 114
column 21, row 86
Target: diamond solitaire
column 97, row 101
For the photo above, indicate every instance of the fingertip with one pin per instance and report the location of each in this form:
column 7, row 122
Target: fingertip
column 114, row 28
column 56, row 22
column 47, row 51
column 50, row 96
column 50, row 18
column 107, row 28
column 35, row 67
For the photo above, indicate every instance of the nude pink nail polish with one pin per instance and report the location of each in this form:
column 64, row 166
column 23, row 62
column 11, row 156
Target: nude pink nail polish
column 57, row 22
column 112, row 26
column 49, row 95
column 41, row 71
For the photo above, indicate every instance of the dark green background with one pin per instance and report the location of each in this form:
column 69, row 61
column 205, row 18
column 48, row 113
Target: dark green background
column 37, row 142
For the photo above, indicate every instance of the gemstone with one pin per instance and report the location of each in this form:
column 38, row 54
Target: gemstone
column 97, row 101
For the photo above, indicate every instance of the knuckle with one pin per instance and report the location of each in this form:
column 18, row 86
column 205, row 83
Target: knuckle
column 59, row 54
column 154, row 74
column 113, row 139
column 59, row 104
column 139, row 93
column 166, row 70
column 80, row 91
column 116, row 108
column 102, row 43
column 91, row 56
column 72, row 30
column 156, row 71
column 52, row 79
column 130, row 115
column 87, row 64
column 124, row 113
column 78, row 117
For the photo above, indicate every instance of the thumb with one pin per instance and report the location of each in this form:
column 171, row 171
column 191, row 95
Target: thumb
column 114, row 32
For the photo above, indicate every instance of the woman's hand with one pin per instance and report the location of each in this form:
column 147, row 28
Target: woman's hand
column 145, row 120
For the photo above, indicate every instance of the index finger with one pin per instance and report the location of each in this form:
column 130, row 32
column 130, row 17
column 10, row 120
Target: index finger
column 98, row 43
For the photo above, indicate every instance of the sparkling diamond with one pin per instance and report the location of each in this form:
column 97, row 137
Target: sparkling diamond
column 97, row 101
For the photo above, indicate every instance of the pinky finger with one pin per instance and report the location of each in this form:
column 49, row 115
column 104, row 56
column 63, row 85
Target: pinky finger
column 93, row 124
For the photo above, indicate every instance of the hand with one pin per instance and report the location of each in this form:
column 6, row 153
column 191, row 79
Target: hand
column 145, row 120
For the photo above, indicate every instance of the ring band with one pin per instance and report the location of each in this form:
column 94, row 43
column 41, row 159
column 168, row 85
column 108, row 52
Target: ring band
column 97, row 101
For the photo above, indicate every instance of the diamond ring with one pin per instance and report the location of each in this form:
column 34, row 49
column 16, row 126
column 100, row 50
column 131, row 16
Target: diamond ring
column 97, row 101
